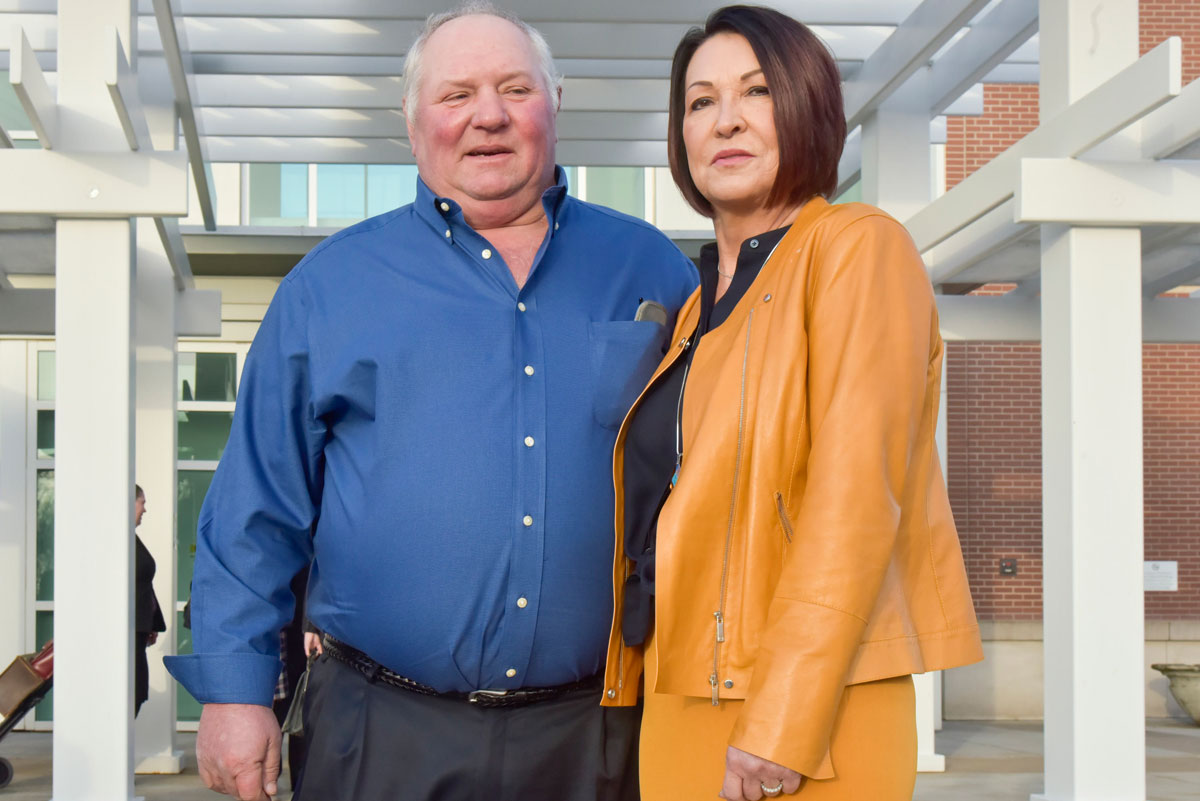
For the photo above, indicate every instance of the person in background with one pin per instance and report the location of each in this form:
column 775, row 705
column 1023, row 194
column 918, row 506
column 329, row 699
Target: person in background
column 786, row 555
column 148, row 616
column 437, row 390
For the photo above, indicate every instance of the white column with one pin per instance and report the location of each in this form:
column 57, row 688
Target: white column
column 93, row 563
column 154, row 732
column 1092, row 452
column 14, row 395
column 897, row 177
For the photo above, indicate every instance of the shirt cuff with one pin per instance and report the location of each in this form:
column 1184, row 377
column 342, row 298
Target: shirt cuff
column 227, row 678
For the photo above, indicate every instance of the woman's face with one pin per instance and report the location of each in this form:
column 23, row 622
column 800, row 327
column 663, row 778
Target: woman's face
column 729, row 125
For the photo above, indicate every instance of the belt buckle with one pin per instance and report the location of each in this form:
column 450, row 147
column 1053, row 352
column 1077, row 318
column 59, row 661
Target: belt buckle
column 474, row 696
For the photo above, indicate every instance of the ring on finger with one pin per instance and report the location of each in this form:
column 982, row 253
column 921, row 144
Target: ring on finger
column 771, row 791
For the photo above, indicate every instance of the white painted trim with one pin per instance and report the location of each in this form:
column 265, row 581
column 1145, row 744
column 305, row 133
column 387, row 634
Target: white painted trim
column 94, row 185
column 1107, row 193
column 35, row 95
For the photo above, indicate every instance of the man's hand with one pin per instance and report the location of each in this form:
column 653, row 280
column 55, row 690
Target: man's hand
column 312, row 642
column 237, row 750
column 746, row 774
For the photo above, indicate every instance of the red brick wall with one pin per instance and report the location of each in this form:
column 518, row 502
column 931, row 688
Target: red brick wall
column 994, row 472
column 994, row 403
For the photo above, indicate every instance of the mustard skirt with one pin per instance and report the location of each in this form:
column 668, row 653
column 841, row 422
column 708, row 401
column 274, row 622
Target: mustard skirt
column 873, row 747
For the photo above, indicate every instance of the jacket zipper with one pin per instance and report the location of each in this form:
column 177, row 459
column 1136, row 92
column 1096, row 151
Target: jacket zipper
column 783, row 517
column 737, row 469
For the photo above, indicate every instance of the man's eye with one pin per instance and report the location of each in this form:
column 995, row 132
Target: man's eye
column 455, row 97
column 518, row 90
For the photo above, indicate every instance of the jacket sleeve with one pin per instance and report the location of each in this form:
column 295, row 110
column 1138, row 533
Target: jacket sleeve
column 254, row 528
column 869, row 311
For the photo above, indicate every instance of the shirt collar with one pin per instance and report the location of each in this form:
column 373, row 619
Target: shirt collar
column 445, row 214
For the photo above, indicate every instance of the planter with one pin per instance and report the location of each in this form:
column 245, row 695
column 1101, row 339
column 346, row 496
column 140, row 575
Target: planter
column 1185, row 686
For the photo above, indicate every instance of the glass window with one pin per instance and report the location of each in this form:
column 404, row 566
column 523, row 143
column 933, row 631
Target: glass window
column 45, row 434
column 44, row 569
column 202, row 435
column 186, row 707
column 44, row 632
column 12, row 114
column 572, row 180
column 278, row 194
column 853, row 194
column 390, row 186
column 620, row 188
column 341, row 194
column 207, row 377
column 45, row 375
column 193, row 486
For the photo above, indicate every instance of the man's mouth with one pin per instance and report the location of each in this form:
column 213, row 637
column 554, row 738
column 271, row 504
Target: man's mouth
column 488, row 151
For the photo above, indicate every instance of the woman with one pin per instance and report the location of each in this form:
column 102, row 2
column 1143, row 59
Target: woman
column 786, row 557
column 148, row 617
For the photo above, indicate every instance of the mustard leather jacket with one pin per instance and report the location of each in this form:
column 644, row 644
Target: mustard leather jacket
column 809, row 542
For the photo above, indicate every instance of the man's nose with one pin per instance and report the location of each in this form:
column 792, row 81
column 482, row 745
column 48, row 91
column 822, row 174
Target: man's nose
column 490, row 111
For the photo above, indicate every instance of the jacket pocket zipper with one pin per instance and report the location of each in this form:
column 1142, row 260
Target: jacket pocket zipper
column 713, row 678
column 783, row 517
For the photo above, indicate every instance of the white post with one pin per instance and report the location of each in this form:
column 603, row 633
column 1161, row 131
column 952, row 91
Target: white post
column 156, row 465
column 14, row 394
column 897, row 177
column 1092, row 451
column 93, row 563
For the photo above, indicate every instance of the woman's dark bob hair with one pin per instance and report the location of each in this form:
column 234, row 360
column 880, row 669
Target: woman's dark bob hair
column 805, row 90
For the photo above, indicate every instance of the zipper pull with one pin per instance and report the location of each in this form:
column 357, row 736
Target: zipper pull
column 720, row 630
column 712, row 680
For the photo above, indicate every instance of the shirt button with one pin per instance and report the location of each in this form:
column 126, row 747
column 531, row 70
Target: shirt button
column 556, row 226
column 522, row 603
column 521, row 305
column 447, row 233
column 529, row 442
column 444, row 206
column 529, row 369
column 527, row 520
column 753, row 243
column 510, row 672
column 487, row 254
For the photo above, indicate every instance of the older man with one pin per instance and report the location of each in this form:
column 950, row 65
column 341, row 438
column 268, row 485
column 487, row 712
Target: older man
column 428, row 414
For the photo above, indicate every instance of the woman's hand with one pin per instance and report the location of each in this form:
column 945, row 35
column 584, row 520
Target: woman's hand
column 152, row 638
column 746, row 775
column 312, row 642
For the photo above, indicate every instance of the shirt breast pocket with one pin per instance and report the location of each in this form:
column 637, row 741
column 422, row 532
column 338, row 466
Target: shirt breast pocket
column 624, row 354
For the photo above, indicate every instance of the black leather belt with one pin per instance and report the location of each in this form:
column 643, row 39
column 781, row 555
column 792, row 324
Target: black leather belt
column 374, row 671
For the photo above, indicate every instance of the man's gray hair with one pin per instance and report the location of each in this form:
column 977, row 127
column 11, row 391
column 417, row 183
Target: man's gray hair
column 413, row 66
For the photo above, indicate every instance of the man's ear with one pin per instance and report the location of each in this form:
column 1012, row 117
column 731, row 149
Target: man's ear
column 408, row 124
column 558, row 100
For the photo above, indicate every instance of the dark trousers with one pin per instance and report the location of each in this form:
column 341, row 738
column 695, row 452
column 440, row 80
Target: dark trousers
column 141, row 671
column 368, row 741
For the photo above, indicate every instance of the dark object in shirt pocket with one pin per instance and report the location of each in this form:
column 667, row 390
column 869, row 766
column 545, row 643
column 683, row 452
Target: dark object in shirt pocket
column 624, row 354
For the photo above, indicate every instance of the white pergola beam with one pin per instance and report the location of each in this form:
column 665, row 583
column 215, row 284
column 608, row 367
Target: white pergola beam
column 1017, row 318
column 177, row 257
column 991, row 233
column 30, row 312
column 5, row 139
column 93, row 185
column 910, row 46
column 1112, row 194
column 1126, row 97
column 813, row 12
column 988, row 43
column 122, row 87
column 1166, row 283
column 174, row 52
column 1172, row 127
column 28, row 81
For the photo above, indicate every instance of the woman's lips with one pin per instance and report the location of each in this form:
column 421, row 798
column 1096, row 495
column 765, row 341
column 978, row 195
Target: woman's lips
column 728, row 158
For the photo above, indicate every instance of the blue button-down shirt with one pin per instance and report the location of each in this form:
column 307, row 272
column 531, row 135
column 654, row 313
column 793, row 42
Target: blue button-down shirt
column 438, row 441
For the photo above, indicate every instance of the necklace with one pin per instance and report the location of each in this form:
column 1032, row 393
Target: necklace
column 724, row 274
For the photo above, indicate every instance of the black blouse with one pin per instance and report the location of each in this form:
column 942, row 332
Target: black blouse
column 651, row 450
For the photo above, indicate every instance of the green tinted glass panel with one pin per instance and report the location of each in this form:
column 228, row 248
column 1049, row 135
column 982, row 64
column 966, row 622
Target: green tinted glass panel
column 45, row 376
column 44, row 628
column 853, row 194
column 572, row 180
column 193, row 486
column 12, row 114
column 44, row 578
column 620, row 188
column 341, row 194
column 207, row 377
column 45, row 434
column 186, row 707
column 202, row 435
column 390, row 186
column 278, row 194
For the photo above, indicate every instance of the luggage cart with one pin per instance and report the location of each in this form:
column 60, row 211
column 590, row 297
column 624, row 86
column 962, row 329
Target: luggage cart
column 23, row 684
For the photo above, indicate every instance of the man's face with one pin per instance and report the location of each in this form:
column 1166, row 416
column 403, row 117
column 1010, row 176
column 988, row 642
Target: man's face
column 483, row 126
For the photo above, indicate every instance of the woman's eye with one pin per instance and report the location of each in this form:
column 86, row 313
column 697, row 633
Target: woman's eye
column 700, row 103
column 758, row 91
